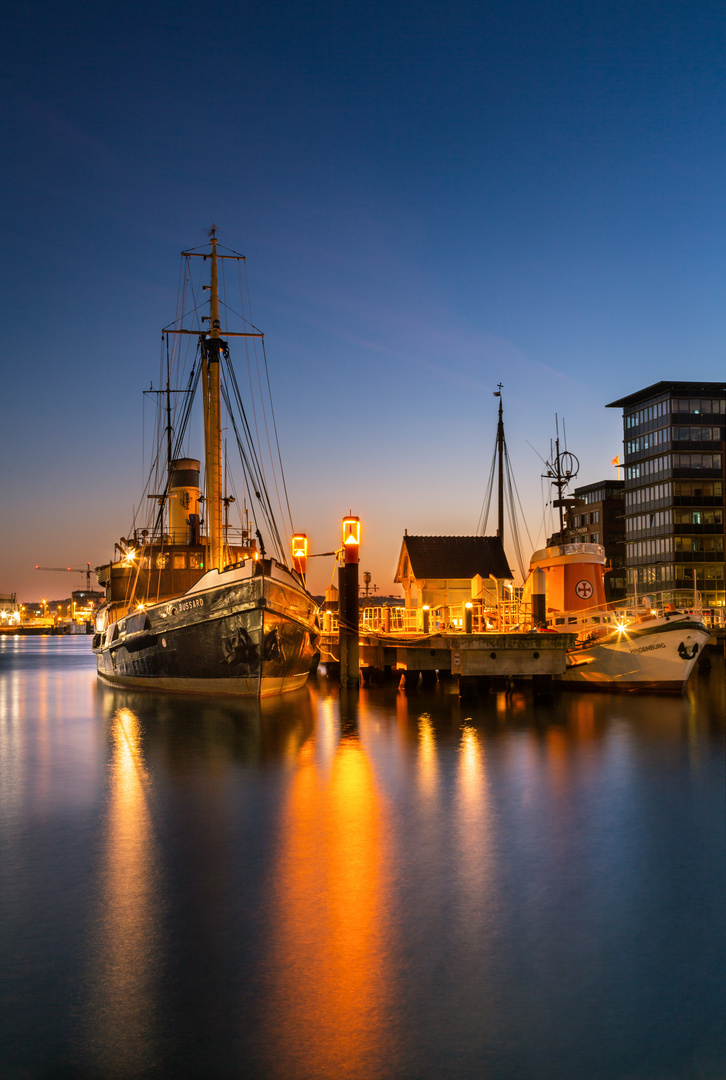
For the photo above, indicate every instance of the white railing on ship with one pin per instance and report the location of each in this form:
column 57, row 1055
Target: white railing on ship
column 647, row 604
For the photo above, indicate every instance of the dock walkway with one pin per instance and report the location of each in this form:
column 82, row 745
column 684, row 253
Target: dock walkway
column 389, row 641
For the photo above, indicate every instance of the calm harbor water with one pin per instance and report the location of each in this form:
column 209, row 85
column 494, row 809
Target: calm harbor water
column 374, row 886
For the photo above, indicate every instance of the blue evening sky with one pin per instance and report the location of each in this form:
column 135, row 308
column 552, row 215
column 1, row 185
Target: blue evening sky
column 433, row 198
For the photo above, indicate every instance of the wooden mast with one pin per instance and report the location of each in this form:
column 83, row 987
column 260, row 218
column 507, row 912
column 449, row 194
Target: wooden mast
column 213, row 424
column 211, row 347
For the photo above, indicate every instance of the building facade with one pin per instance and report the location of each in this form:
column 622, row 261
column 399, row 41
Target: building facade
column 674, row 458
column 438, row 570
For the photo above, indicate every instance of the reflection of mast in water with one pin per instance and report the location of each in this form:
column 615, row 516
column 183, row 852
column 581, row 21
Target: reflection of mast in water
column 123, row 959
column 328, row 945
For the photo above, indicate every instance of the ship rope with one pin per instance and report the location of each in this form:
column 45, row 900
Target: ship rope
column 511, row 500
column 254, row 473
column 270, row 399
column 265, row 399
column 277, row 440
column 180, row 364
column 514, row 519
column 264, row 417
column 484, row 513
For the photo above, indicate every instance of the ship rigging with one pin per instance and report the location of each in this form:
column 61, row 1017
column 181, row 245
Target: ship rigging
column 234, row 617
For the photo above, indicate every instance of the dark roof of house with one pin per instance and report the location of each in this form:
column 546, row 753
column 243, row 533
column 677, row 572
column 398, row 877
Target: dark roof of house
column 433, row 557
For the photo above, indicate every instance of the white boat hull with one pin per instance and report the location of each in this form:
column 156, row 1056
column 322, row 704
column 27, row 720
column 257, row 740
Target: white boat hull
column 657, row 657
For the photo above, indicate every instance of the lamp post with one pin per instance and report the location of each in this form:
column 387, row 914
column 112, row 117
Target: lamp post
column 348, row 610
column 300, row 553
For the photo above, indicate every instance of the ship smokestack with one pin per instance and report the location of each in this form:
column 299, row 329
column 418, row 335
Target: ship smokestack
column 184, row 495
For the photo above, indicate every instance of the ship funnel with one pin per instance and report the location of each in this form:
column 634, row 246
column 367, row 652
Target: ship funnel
column 184, row 495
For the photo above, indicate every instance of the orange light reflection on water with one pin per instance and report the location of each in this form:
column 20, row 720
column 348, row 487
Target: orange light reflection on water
column 584, row 718
column 122, row 957
column 428, row 763
column 474, row 826
column 559, row 751
column 330, row 943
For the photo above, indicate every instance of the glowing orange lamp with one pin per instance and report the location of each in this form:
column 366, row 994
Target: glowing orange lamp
column 351, row 539
column 300, row 553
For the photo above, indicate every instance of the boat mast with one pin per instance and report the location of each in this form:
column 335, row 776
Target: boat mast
column 213, row 423
column 212, row 345
column 168, row 437
column 561, row 471
column 560, row 483
column 500, row 451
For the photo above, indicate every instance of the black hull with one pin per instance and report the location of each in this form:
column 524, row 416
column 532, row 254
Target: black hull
column 252, row 638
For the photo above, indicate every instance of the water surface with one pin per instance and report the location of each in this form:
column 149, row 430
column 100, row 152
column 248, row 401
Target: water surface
column 377, row 885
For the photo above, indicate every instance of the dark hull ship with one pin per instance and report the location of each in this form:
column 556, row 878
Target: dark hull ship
column 196, row 609
column 245, row 630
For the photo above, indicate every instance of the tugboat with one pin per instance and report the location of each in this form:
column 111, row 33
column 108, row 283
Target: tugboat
column 190, row 606
column 642, row 645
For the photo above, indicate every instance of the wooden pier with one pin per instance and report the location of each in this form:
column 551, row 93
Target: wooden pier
column 472, row 657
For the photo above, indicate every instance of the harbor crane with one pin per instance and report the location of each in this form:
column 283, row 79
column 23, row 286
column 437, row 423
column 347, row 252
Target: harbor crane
column 72, row 570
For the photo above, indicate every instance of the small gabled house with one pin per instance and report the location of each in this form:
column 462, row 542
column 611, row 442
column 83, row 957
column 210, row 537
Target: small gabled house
column 447, row 570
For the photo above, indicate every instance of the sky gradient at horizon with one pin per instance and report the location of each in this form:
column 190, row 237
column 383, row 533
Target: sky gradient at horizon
column 433, row 199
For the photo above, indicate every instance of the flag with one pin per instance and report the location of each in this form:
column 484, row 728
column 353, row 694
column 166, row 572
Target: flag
column 616, row 460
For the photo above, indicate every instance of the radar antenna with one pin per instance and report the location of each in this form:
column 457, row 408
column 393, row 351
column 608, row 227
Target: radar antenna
column 561, row 471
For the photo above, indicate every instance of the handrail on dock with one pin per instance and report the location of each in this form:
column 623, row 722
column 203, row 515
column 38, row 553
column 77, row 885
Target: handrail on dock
column 507, row 617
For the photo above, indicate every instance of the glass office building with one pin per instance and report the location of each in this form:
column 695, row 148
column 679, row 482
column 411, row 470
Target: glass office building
column 674, row 456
